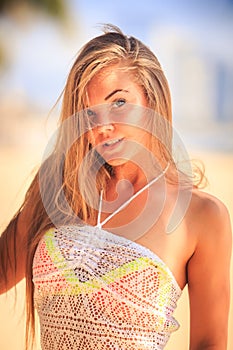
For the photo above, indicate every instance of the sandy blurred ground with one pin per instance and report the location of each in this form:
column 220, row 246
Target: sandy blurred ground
column 16, row 164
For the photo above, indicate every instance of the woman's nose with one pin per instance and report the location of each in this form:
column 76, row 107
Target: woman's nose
column 105, row 128
column 104, row 121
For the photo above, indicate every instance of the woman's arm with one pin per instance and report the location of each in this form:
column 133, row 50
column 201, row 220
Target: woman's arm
column 209, row 278
column 13, row 250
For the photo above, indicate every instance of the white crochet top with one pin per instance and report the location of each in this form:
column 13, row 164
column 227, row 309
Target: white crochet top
column 96, row 290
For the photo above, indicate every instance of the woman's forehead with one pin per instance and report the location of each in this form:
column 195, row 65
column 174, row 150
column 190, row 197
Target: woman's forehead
column 110, row 80
column 113, row 70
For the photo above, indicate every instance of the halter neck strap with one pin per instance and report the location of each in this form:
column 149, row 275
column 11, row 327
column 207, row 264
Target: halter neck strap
column 100, row 209
column 122, row 206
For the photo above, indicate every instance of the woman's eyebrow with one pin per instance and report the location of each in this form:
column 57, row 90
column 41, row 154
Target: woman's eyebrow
column 114, row 92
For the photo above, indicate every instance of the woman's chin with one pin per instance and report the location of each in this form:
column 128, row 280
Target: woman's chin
column 117, row 162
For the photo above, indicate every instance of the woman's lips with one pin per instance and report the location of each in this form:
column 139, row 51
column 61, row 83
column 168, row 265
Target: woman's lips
column 112, row 143
column 112, row 148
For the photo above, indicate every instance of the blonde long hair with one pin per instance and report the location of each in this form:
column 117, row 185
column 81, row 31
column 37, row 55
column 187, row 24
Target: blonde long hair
column 57, row 177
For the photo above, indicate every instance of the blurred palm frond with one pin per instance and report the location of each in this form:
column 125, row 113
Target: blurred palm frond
column 54, row 8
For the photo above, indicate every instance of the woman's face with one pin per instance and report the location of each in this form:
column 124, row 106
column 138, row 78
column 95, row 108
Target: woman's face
column 117, row 115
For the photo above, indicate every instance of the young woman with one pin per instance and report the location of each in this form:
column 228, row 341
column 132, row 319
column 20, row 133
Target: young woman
column 112, row 229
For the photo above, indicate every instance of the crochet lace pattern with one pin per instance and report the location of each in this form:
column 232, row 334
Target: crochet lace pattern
column 96, row 290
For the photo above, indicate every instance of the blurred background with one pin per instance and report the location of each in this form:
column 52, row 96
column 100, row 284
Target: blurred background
column 39, row 40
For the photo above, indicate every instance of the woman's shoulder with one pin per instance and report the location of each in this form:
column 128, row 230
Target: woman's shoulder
column 207, row 205
column 210, row 216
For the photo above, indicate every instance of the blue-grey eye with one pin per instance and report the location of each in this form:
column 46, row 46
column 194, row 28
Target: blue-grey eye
column 119, row 103
column 91, row 116
column 90, row 113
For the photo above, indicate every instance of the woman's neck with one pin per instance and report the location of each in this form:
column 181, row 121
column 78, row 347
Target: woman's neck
column 128, row 179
